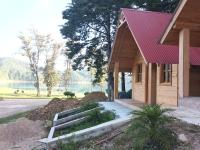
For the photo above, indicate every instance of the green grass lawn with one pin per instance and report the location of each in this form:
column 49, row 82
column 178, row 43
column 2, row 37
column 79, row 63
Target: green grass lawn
column 9, row 93
column 12, row 118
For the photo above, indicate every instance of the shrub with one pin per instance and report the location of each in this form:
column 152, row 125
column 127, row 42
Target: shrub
column 122, row 95
column 95, row 117
column 127, row 94
column 69, row 94
column 149, row 129
column 69, row 146
column 86, row 93
column 16, row 92
column 90, row 105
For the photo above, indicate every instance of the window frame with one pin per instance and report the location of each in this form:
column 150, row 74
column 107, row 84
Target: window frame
column 139, row 72
column 166, row 74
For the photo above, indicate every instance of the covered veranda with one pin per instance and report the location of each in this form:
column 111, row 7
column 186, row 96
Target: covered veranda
column 122, row 58
column 184, row 31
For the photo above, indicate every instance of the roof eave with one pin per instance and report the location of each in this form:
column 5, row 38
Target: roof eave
column 172, row 22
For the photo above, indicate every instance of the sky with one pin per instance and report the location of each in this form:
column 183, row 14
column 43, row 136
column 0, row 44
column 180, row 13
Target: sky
column 21, row 15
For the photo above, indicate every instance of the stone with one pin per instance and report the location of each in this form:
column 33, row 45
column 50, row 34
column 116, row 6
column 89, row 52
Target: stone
column 182, row 138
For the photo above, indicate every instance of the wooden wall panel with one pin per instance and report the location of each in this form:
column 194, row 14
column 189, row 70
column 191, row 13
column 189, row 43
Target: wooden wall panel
column 139, row 88
column 168, row 94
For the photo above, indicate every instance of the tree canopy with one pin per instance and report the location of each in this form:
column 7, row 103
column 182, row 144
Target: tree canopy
column 51, row 78
column 156, row 5
column 89, row 30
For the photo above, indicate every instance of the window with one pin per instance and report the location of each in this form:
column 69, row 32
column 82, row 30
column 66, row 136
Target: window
column 166, row 73
column 139, row 73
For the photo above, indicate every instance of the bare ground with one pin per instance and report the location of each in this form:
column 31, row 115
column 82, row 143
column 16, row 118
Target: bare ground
column 21, row 135
column 119, row 140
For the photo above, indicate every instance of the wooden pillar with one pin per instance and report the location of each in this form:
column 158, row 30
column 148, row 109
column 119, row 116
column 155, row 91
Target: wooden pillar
column 184, row 62
column 152, row 83
column 116, row 82
column 133, row 81
column 146, row 82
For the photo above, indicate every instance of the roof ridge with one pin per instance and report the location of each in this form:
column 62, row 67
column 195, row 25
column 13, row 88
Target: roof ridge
column 146, row 11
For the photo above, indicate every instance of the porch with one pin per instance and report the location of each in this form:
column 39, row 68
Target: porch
column 133, row 104
column 186, row 103
column 192, row 103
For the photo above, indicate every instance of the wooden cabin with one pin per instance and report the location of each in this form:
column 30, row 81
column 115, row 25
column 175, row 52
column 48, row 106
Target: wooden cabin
column 155, row 67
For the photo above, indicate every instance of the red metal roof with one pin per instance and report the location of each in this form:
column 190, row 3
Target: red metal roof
column 147, row 29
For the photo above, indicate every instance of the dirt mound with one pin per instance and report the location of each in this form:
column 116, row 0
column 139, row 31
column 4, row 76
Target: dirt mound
column 95, row 97
column 54, row 106
column 57, row 105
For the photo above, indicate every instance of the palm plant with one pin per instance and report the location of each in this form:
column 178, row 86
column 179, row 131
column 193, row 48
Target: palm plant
column 149, row 129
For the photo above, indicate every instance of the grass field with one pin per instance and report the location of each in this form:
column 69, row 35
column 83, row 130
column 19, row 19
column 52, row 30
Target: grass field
column 10, row 93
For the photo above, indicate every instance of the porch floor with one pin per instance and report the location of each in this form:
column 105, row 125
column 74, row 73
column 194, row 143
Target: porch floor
column 183, row 113
column 130, row 103
column 187, row 115
column 192, row 103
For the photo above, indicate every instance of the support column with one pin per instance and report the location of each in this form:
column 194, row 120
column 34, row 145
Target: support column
column 116, row 82
column 133, row 80
column 152, row 83
column 184, row 62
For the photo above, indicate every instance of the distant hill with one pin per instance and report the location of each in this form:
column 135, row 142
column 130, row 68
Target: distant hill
column 13, row 69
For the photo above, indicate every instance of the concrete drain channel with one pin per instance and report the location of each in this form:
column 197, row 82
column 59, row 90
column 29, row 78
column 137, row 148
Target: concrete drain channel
column 69, row 118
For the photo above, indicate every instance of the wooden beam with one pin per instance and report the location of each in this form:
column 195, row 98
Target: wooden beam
column 175, row 17
column 189, row 25
column 146, row 82
column 184, row 62
column 133, row 70
column 152, row 83
column 116, row 76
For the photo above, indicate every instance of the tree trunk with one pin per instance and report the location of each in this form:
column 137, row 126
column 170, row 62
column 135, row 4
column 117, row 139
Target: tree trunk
column 123, row 83
column 110, row 86
column 109, row 49
column 49, row 92
column 37, row 84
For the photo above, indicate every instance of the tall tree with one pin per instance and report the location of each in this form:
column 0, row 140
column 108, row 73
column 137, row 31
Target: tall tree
column 51, row 78
column 156, row 5
column 33, row 46
column 67, row 75
column 89, row 30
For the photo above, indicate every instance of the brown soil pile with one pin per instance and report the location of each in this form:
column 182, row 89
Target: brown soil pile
column 95, row 96
column 57, row 105
column 54, row 106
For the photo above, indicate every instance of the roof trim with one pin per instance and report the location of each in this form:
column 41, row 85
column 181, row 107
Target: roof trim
column 171, row 24
column 135, row 40
column 113, row 44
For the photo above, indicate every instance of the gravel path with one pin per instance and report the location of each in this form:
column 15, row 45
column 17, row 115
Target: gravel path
column 12, row 106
